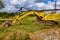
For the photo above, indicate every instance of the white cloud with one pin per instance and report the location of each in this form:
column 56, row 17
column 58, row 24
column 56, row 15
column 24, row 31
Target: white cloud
column 41, row 6
column 10, row 5
column 9, row 9
column 14, row 2
column 17, row 2
column 37, row 4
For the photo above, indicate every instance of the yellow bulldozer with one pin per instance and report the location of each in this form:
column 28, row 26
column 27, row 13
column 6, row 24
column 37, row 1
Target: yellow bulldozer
column 48, row 19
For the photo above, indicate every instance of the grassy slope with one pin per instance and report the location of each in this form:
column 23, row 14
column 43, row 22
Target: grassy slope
column 27, row 24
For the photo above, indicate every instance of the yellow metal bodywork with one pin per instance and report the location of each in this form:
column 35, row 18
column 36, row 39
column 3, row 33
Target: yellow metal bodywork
column 24, row 14
column 42, row 14
column 15, row 19
column 51, row 17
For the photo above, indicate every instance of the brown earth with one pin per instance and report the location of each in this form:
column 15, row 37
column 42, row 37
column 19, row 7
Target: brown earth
column 46, row 34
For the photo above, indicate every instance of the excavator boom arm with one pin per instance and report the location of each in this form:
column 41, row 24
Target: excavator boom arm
column 24, row 14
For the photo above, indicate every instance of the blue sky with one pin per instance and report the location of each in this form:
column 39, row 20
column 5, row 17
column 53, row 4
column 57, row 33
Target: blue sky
column 14, row 5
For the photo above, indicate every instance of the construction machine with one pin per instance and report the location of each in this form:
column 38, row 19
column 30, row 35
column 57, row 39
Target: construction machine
column 48, row 19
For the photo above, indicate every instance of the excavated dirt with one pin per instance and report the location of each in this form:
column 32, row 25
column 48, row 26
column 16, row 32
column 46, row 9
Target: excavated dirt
column 46, row 34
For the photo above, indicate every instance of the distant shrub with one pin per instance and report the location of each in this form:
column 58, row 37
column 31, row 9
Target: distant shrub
column 6, row 15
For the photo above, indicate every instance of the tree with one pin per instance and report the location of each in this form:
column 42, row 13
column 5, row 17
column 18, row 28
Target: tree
column 1, row 4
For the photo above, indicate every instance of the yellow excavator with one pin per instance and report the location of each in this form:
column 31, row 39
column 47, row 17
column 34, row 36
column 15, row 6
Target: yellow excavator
column 48, row 19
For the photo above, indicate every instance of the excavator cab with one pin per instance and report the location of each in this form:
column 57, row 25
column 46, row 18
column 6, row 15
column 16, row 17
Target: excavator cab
column 52, row 16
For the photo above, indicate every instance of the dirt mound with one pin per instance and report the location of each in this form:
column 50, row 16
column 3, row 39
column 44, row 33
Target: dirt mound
column 46, row 34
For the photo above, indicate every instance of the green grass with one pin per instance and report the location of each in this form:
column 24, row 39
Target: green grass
column 27, row 24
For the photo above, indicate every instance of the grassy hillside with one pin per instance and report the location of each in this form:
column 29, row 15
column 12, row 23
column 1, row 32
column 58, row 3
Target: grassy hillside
column 21, row 28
